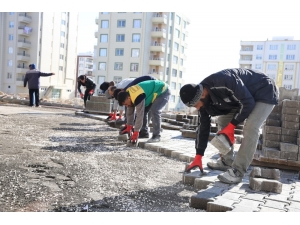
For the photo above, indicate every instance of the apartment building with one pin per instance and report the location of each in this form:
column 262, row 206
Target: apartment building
column 132, row 44
column 84, row 66
column 47, row 39
column 279, row 58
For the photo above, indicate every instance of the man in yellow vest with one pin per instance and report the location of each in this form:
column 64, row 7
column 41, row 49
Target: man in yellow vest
column 151, row 92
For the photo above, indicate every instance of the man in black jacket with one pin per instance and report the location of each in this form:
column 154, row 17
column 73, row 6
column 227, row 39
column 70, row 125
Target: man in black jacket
column 90, row 86
column 234, row 95
column 33, row 78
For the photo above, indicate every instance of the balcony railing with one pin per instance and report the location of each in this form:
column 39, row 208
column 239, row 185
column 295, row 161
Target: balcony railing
column 22, row 54
column 159, row 30
column 20, row 78
column 160, row 15
column 22, row 41
column 156, row 58
column 25, row 15
column 22, row 67
column 158, row 44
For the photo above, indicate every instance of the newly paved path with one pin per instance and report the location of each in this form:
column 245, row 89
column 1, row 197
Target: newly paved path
column 214, row 196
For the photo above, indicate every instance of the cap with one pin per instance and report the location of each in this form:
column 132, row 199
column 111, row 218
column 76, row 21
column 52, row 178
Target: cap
column 190, row 94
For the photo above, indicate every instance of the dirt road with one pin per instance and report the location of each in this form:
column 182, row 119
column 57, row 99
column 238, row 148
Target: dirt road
column 52, row 160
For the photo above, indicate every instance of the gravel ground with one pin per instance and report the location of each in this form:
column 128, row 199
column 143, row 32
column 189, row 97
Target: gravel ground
column 54, row 161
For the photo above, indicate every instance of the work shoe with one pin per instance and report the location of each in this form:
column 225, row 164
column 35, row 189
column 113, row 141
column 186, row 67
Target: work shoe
column 154, row 139
column 218, row 164
column 231, row 176
column 143, row 135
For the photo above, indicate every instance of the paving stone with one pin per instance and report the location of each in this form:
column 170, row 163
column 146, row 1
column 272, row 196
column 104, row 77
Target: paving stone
column 220, row 205
column 189, row 178
column 272, row 130
column 275, row 204
column 292, row 111
column 240, row 188
column 255, row 196
column 272, row 122
column 288, row 139
column 294, row 205
column 287, row 103
column 261, row 184
column 271, row 144
column 271, row 152
column 186, row 157
column 289, row 132
column 287, row 147
column 176, row 154
column 290, row 125
column 272, row 137
column 268, row 209
column 203, row 182
column 277, row 108
column 291, row 209
column 232, row 196
column 279, row 198
column 220, row 184
column 289, row 155
column 275, row 115
column 203, row 197
column 258, row 172
column 248, row 203
column 291, row 118
column 242, row 208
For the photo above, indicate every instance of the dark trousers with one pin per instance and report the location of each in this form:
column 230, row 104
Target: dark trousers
column 86, row 96
column 36, row 93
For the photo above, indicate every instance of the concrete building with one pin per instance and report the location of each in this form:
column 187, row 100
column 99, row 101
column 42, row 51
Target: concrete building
column 279, row 58
column 132, row 44
column 84, row 67
column 47, row 39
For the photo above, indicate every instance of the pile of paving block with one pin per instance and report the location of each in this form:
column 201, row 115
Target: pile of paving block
column 281, row 134
column 98, row 105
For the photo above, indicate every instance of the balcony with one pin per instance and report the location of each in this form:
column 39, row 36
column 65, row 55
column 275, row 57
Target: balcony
column 156, row 61
column 157, row 75
column 97, row 20
column 158, row 33
column 23, row 17
column 159, row 18
column 96, row 34
column 20, row 81
column 23, row 57
column 245, row 61
column 157, row 47
column 186, row 33
column 21, row 69
column 24, row 44
column 25, row 31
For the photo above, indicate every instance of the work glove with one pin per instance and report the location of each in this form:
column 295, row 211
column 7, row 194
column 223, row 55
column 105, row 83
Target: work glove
column 229, row 132
column 127, row 130
column 196, row 163
column 114, row 117
column 81, row 95
column 119, row 117
column 91, row 92
column 134, row 136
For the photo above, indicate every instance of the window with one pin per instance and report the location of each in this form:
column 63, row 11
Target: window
column 259, row 47
column 63, row 22
column 62, row 45
column 272, row 76
column 102, row 66
column 175, row 59
column 118, row 66
column 103, row 38
column 271, row 66
column 167, row 71
column 55, row 93
column 80, row 72
column 258, row 57
column 62, row 33
column 184, row 24
column 137, row 23
column 10, row 37
column 81, row 59
column 105, row 13
column 176, row 46
column 117, row 79
column 181, row 62
column 170, row 44
column 10, row 62
column 135, row 52
column 120, row 37
column 136, row 37
column 170, row 29
column 179, row 87
column 61, row 68
column 258, row 66
column 183, row 36
column 101, row 79
column 177, row 20
column 288, row 86
column 182, row 49
column 172, row 98
column 177, row 33
column 121, row 23
column 10, row 50
column 119, row 51
column 273, row 47
column 289, row 67
column 173, row 85
column 180, row 74
column 134, row 67
column 9, row 75
column 290, row 57
column 291, row 47
column 11, row 24
column 11, row 13
column 168, row 59
column 103, row 52
column 174, row 73
column 80, row 64
column 104, row 23
column 288, row 77
column 61, row 56
column 171, row 16
column 273, row 57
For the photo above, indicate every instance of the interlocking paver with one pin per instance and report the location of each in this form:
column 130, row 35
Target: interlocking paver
column 261, row 184
column 220, row 205
column 279, row 198
column 203, row 182
column 255, row 196
column 242, row 208
column 249, row 203
column 275, row 204
column 268, row 209
column 265, row 173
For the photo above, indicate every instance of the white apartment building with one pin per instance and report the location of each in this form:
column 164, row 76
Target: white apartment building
column 279, row 58
column 132, row 44
column 47, row 39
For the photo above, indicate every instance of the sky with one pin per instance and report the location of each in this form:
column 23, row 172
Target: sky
column 215, row 31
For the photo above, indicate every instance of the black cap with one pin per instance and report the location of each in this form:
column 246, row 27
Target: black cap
column 190, row 94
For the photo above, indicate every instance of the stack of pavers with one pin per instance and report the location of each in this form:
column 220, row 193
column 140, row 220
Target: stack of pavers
column 281, row 133
column 98, row 105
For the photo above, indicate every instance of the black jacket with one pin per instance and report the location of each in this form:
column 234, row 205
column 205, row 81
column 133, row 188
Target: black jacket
column 89, row 84
column 231, row 89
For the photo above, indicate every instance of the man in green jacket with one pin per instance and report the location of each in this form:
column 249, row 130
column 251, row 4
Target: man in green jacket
column 152, row 92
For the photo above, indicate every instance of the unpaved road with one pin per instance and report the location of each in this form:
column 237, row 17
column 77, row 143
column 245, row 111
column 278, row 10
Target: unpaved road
column 52, row 160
